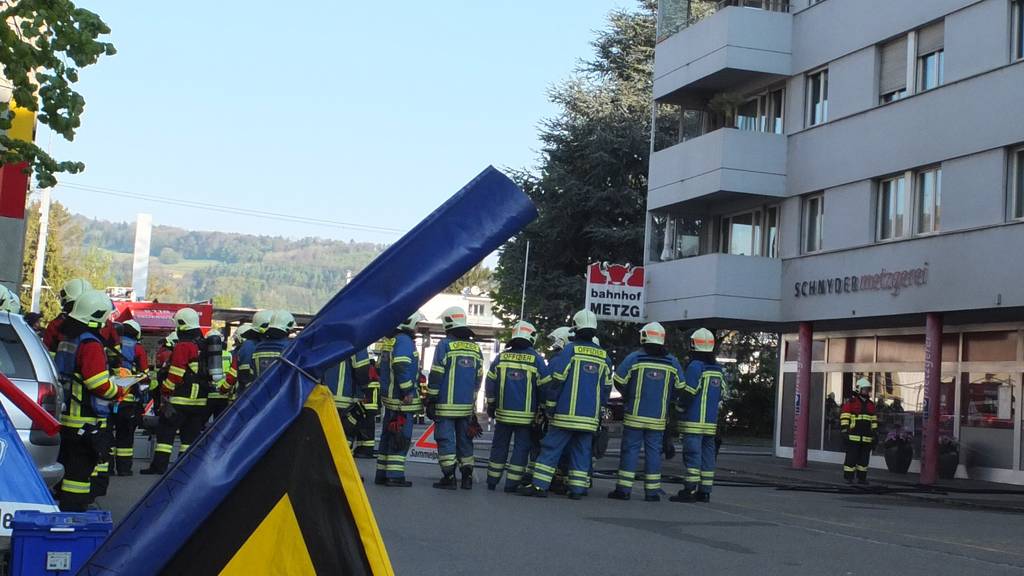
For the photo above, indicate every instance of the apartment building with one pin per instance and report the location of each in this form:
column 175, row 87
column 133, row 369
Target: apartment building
column 851, row 170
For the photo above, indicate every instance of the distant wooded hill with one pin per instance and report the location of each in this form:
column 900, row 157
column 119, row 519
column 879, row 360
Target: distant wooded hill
column 233, row 269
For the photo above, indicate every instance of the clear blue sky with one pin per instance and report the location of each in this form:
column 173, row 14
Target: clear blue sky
column 368, row 112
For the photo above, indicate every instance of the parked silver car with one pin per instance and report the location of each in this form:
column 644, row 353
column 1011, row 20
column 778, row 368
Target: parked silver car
column 25, row 361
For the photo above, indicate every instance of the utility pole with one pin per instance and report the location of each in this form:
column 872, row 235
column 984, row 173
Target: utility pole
column 44, row 226
column 526, row 265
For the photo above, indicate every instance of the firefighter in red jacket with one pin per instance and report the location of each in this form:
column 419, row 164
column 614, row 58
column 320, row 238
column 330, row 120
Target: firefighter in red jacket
column 82, row 365
column 858, row 423
column 183, row 409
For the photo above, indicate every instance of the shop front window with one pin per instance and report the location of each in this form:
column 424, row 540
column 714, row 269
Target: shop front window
column 988, row 404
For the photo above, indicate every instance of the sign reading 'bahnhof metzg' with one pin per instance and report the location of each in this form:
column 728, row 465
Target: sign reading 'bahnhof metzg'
column 884, row 281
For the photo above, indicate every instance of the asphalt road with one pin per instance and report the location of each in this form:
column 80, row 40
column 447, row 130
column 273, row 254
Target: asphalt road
column 745, row 530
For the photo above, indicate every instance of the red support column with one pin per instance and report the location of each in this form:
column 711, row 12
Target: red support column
column 801, row 412
column 932, row 398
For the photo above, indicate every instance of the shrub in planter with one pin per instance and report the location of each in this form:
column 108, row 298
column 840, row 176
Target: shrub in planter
column 899, row 450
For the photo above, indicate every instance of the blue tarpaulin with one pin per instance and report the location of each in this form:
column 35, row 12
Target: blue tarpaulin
column 21, row 487
column 455, row 237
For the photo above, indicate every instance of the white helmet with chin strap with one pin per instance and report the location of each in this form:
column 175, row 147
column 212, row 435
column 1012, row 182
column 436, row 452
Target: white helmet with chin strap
column 560, row 337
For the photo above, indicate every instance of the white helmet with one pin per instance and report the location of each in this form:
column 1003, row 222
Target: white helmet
column 653, row 333
column 239, row 334
column 702, row 340
column 560, row 337
column 282, row 320
column 186, row 319
column 863, row 383
column 9, row 301
column 92, row 308
column 454, row 317
column 134, row 326
column 584, row 319
column 261, row 320
column 524, row 331
column 72, row 289
column 411, row 322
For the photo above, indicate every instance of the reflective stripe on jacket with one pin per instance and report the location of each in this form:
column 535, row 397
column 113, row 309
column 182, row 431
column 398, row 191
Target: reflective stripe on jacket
column 858, row 420
column 648, row 383
column 702, row 392
column 455, row 377
column 580, row 386
column 514, row 385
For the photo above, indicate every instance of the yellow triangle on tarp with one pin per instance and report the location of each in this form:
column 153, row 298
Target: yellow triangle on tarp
column 276, row 547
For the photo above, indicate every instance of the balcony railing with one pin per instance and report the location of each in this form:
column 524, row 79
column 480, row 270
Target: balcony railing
column 675, row 15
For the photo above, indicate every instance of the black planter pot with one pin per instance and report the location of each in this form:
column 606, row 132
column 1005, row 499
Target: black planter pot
column 948, row 462
column 898, row 458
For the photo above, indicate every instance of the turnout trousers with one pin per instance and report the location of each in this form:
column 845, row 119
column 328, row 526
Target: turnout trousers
column 633, row 439
column 579, row 444
column 454, row 446
column 499, row 460
column 699, row 461
column 858, row 456
column 391, row 455
column 124, row 423
column 101, row 473
column 185, row 421
column 79, row 453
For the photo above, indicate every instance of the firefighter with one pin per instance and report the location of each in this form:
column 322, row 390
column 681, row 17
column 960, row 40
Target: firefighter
column 559, row 338
column 858, row 423
column 454, row 381
column 238, row 338
column 220, row 392
column 399, row 365
column 513, row 389
column 70, row 292
column 161, row 365
column 272, row 342
column 699, row 400
column 125, row 418
column 82, row 365
column 648, row 379
column 347, row 381
column 580, row 384
column 371, row 406
column 244, row 368
column 183, row 409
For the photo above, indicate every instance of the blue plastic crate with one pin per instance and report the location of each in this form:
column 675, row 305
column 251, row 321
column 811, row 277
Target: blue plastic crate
column 55, row 543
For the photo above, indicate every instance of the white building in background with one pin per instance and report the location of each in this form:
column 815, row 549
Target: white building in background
column 480, row 310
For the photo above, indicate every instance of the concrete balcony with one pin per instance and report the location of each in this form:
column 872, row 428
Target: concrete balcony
column 726, row 160
column 734, row 45
column 715, row 287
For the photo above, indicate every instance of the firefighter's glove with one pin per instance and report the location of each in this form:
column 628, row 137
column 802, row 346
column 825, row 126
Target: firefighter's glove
column 396, row 424
column 474, row 430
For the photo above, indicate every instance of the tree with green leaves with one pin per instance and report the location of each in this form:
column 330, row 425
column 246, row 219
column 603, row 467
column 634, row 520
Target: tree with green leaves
column 591, row 186
column 43, row 46
column 479, row 276
column 750, row 395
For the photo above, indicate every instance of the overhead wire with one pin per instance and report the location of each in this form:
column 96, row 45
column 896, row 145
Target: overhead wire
column 209, row 206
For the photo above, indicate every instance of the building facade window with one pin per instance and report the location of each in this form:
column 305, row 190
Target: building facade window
column 930, row 56
column 762, row 113
column 928, row 192
column 817, row 97
column 674, row 237
column 892, row 199
column 813, row 217
column 1018, row 29
column 892, row 81
column 751, row 233
column 1016, row 186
